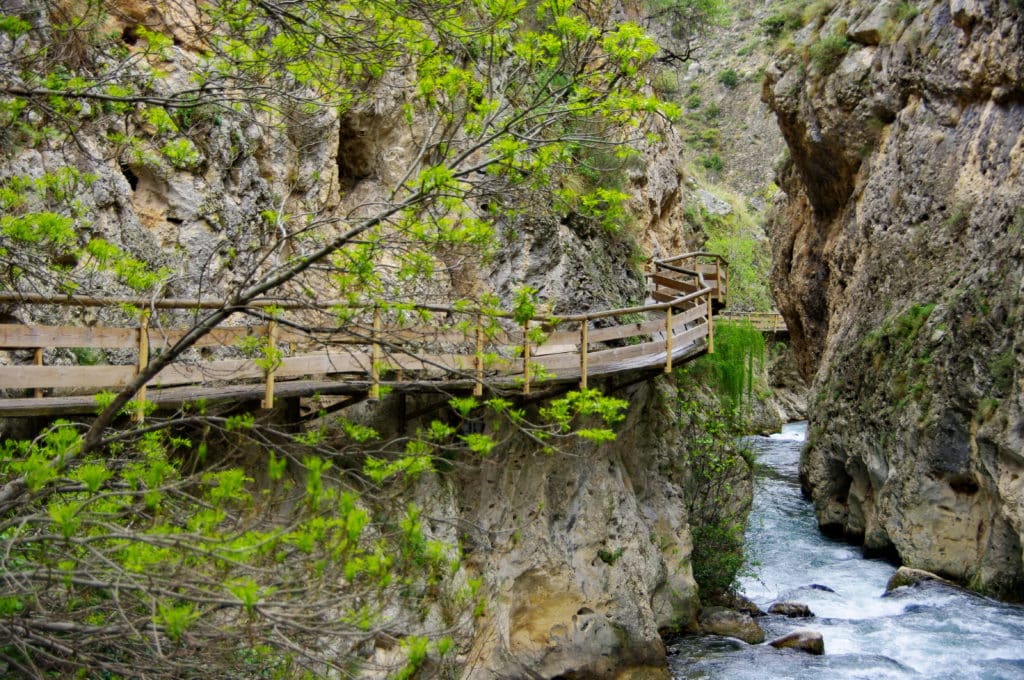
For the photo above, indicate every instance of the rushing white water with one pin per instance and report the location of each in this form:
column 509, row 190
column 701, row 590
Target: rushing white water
column 928, row 631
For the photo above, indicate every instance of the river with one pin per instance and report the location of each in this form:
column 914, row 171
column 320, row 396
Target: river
column 929, row 631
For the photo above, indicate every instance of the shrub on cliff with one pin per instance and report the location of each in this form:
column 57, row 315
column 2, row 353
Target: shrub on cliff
column 717, row 469
column 828, row 51
column 711, row 392
column 729, row 78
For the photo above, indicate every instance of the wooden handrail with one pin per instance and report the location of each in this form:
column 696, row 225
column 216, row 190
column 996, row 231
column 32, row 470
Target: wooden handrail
column 697, row 253
column 685, row 330
column 188, row 304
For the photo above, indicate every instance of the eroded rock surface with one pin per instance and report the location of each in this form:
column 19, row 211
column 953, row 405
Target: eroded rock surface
column 899, row 254
column 587, row 552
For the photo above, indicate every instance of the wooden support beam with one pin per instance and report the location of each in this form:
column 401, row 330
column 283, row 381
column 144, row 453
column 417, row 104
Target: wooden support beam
column 268, row 391
column 718, row 279
column 711, row 329
column 142, row 363
column 724, row 283
column 584, row 343
column 668, row 340
column 37, row 360
column 349, row 400
column 375, row 356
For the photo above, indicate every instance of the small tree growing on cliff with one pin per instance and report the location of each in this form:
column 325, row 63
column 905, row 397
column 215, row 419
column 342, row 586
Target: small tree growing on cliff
column 715, row 461
column 680, row 25
column 139, row 553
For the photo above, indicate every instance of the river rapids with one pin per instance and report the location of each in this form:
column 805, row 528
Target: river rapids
column 926, row 631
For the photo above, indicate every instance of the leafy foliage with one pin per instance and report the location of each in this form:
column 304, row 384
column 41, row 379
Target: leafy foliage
column 156, row 552
column 710, row 395
column 716, row 464
column 729, row 78
column 713, row 163
column 680, row 24
column 144, row 569
column 732, row 369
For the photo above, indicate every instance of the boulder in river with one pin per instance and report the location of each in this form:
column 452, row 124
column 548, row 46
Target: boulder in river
column 905, row 576
column 740, row 625
column 743, row 604
column 803, row 639
column 794, row 610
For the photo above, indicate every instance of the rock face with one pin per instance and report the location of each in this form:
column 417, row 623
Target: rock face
column 898, row 266
column 584, row 554
column 787, row 397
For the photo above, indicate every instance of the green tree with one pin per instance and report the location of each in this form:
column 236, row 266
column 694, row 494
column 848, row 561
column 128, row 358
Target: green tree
column 154, row 551
column 681, row 24
column 712, row 391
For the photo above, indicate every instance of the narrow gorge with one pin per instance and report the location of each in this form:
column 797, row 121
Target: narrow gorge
column 436, row 213
column 897, row 263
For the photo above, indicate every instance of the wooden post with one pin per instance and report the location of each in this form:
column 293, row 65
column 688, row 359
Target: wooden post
column 725, row 284
column 37, row 360
column 526, row 357
column 478, row 388
column 375, row 356
column 668, row 339
column 718, row 278
column 711, row 329
column 584, row 341
column 141, row 364
column 268, row 393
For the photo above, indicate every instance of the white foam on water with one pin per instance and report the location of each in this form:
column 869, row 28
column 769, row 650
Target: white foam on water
column 930, row 631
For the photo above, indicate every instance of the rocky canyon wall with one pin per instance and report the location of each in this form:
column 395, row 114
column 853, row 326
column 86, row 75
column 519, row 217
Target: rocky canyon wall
column 585, row 554
column 899, row 254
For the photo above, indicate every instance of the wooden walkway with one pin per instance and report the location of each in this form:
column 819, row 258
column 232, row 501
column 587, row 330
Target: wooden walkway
column 286, row 349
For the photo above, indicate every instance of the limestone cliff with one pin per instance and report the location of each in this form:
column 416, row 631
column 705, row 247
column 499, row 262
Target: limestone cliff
column 585, row 553
column 898, row 266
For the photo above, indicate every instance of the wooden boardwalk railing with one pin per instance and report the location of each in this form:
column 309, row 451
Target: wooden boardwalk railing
column 290, row 349
column 766, row 322
column 712, row 267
